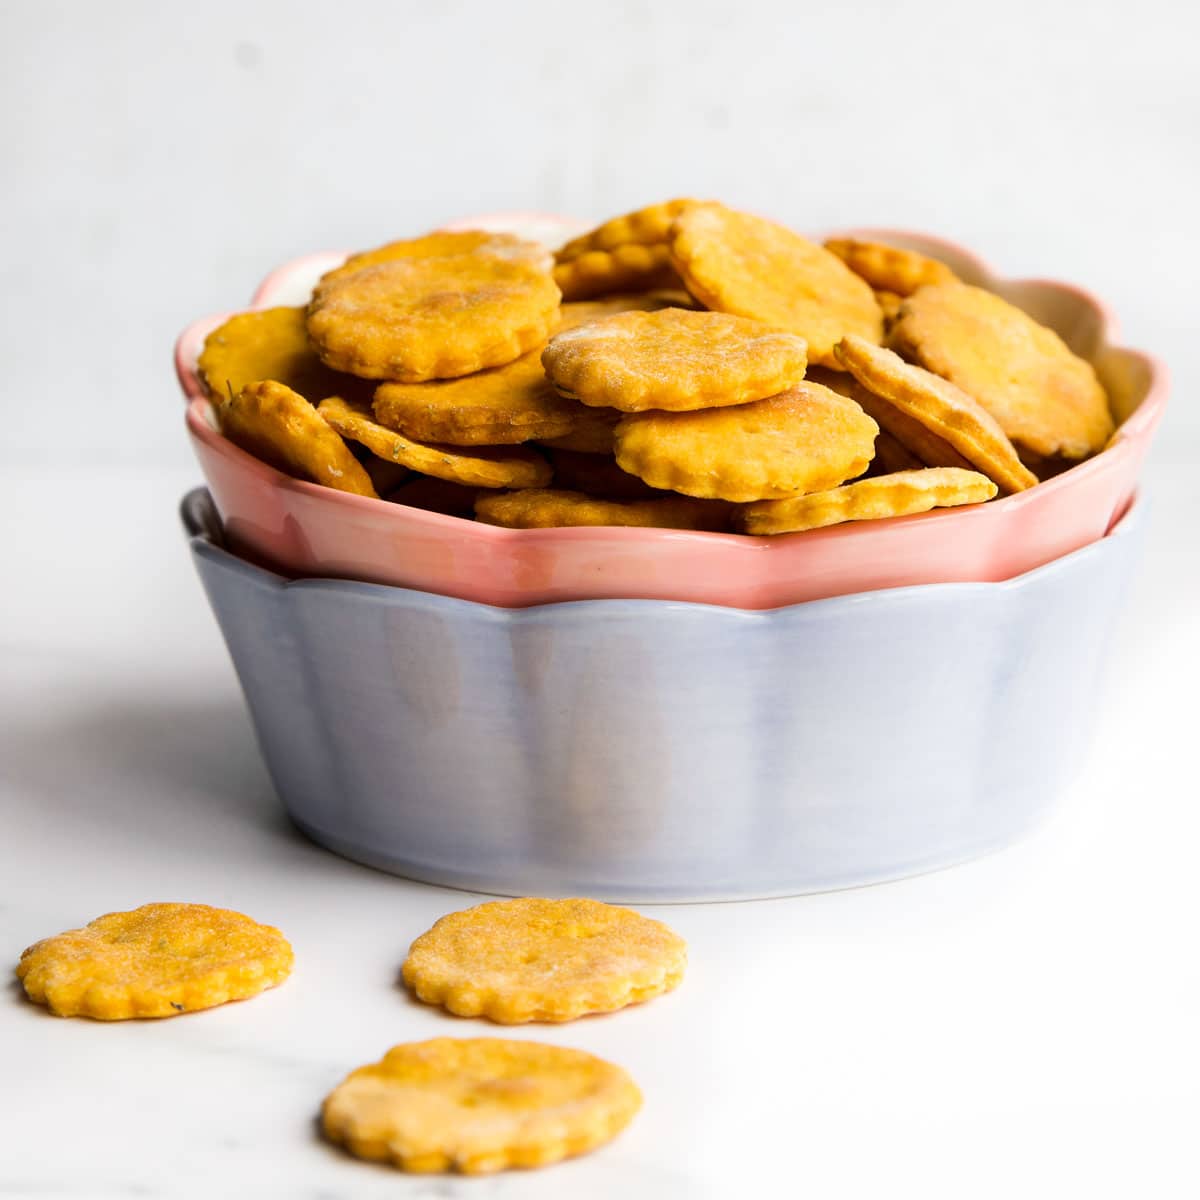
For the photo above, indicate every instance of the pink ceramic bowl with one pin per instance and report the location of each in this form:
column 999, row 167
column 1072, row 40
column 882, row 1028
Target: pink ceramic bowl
column 303, row 529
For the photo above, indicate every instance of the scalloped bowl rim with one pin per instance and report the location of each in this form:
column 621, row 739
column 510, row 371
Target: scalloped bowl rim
column 201, row 419
column 203, row 541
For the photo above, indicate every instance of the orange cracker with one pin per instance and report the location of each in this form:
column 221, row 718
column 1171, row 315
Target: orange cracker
column 941, row 407
column 159, row 960
column 628, row 268
column 889, row 268
column 895, row 495
column 1044, row 397
column 930, row 449
column 737, row 263
column 646, row 226
column 266, row 343
column 279, row 426
column 543, row 960
column 475, row 466
column 441, row 244
column 503, row 406
column 413, row 319
column 548, row 508
column 478, row 1105
column 803, row 440
column 673, row 359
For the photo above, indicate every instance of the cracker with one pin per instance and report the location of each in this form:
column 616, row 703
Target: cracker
column 267, row 343
column 738, row 263
column 504, row 406
column 549, row 508
column 280, row 427
column 895, row 495
column 1045, row 398
column 476, row 466
column 413, row 319
column 941, row 407
column 647, row 226
column 889, row 269
column 446, row 243
column 923, row 443
column 159, row 960
column 628, row 268
column 803, row 440
column 543, row 960
column 674, row 360
column 478, row 1105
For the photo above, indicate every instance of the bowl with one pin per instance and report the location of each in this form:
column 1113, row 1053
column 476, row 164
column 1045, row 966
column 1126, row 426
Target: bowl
column 303, row 529
column 648, row 750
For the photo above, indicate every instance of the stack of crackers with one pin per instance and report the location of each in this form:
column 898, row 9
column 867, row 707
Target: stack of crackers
column 684, row 366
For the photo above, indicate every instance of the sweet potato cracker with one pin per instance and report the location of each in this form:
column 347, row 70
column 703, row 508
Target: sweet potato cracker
column 889, row 268
column 738, row 263
column 475, row 466
column 942, row 408
column 804, row 440
column 413, row 319
column 531, row 959
column 673, row 359
column 159, row 960
column 647, row 226
column 478, row 1105
column 1044, row 397
column 627, row 268
column 548, row 508
column 896, row 495
column 279, row 426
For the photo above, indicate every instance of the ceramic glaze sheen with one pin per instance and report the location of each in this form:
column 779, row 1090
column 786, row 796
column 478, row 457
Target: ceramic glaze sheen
column 654, row 751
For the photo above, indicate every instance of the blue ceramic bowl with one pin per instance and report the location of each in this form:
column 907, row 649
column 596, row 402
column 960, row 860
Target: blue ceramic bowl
column 645, row 750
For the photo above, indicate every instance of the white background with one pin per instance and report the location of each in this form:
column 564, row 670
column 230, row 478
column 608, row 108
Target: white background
column 1025, row 1026
column 160, row 158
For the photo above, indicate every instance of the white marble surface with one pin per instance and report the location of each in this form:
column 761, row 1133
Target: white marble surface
column 1025, row 1025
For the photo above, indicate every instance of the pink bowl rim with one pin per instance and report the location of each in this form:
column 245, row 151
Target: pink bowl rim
column 1136, row 426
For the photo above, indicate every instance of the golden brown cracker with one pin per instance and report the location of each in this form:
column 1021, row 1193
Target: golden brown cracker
column 628, row 268
column 503, row 406
column 942, row 408
column 414, row 319
column 891, row 455
column 159, row 960
column 552, row 508
column 592, row 433
column 445, row 243
column 895, row 495
column 889, row 269
column 533, row 959
column 738, row 263
column 478, row 1105
column 645, row 226
column 280, row 427
column 475, row 466
column 930, row 449
column 673, row 359
column 805, row 439
column 267, row 343
column 1045, row 398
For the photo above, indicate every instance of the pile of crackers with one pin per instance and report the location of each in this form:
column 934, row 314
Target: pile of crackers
column 474, row 1105
column 684, row 366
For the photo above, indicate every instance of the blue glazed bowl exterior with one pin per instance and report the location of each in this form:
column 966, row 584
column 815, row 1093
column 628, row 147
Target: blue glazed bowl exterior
column 646, row 750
